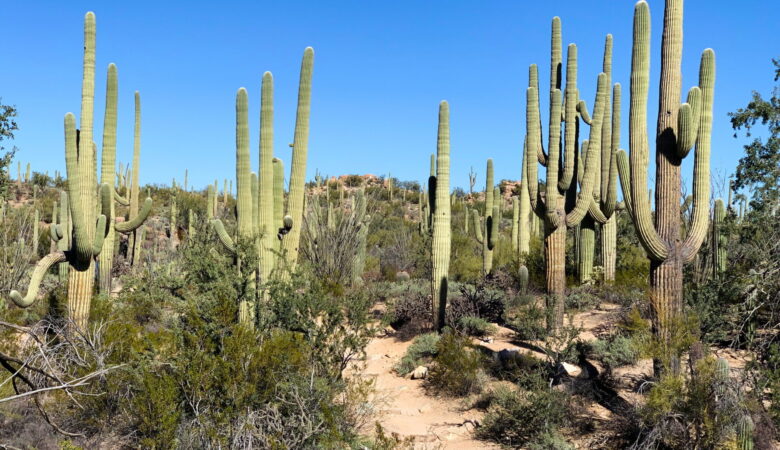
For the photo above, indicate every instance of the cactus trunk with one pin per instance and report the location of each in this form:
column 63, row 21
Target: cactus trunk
column 440, row 249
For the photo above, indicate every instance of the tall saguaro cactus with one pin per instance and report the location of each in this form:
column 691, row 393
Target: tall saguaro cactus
column 300, row 151
column 486, row 227
column 89, row 224
column 134, row 250
column 440, row 244
column 562, row 206
column 680, row 127
column 107, row 176
column 718, row 239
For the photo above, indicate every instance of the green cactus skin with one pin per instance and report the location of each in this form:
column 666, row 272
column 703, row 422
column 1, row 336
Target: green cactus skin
column 211, row 202
column 135, row 242
column 524, row 213
column 64, row 233
column 523, row 279
column 267, row 230
column 36, row 222
column 359, row 264
column 440, row 244
column 515, row 224
column 745, row 429
column 278, row 200
column 486, row 228
column 191, row 228
column 88, row 221
column 291, row 242
column 186, row 173
column 659, row 232
column 719, row 240
column 108, row 166
column 27, row 174
column 586, row 244
column 564, row 206
column 225, row 190
column 18, row 174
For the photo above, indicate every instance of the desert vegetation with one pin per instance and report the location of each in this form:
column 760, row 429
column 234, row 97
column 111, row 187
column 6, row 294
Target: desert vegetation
column 580, row 306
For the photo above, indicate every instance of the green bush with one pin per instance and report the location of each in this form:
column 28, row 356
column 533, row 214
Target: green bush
column 421, row 352
column 526, row 318
column 475, row 326
column 615, row 351
column 457, row 366
column 515, row 418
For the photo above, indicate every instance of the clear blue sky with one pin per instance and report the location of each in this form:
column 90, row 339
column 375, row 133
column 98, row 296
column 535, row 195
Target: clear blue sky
column 380, row 70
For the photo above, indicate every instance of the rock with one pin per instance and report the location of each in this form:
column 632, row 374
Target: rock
column 571, row 369
column 507, row 354
column 420, row 373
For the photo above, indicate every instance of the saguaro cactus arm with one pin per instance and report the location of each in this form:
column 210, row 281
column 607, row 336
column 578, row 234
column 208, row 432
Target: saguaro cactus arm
column 39, row 272
column 701, row 165
column 137, row 221
column 223, row 235
column 656, row 247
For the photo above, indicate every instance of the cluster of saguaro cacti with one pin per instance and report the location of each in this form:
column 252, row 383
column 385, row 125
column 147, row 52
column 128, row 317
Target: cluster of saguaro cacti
column 680, row 128
column 441, row 232
column 563, row 205
column 486, row 226
column 258, row 215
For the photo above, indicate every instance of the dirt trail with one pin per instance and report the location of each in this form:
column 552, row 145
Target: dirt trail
column 404, row 408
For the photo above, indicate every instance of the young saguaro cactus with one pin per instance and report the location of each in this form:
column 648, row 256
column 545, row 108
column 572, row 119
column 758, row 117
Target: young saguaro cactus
column 89, row 223
column 486, row 227
column 108, row 166
column 440, row 244
column 562, row 205
column 680, row 127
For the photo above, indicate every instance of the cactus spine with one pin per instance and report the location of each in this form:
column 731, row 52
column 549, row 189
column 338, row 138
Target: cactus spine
column 299, row 154
column 89, row 223
column 440, row 245
column 266, row 194
column 562, row 206
column 486, row 227
column 679, row 128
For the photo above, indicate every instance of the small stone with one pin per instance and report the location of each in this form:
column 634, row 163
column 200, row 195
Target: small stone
column 420, row 373
column 571, row 369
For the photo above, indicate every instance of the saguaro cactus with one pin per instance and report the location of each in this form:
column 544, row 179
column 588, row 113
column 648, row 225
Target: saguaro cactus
column 440, row 244
column 680, row 126
column 108, row 166
column 134, row 251
column 299, row 154
column 719, row 240
column 562, row 205
column 486, row 227
column 89, row 224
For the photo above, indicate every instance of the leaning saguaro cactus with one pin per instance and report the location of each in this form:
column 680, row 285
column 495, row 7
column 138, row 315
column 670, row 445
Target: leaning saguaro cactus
column 562, row 205
column 440, row 244
column 680, row 127
column 300, row 150
column 486, row 227
column 108, row 166
column 89, row 224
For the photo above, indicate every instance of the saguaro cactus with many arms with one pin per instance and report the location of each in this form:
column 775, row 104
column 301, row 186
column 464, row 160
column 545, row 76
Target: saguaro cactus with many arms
column 300, row 145
column 486, row 227
column 108, row 166
column 89, row 224
column 680, row 126
column 562, row 206
column 440, row 244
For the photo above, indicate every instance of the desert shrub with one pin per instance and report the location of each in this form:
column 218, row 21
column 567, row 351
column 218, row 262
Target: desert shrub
column 475, row 326
column 477, row 300
column 353, row 181
column 456, row 370
column 421, row 352
column 516, row 417
column 581, row 299
column 549, row 440
column 526, row 318
column 411, row 310
column 615, row 351
column 698, row 409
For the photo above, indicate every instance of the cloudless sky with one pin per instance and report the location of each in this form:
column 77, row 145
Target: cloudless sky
column 380, row 70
